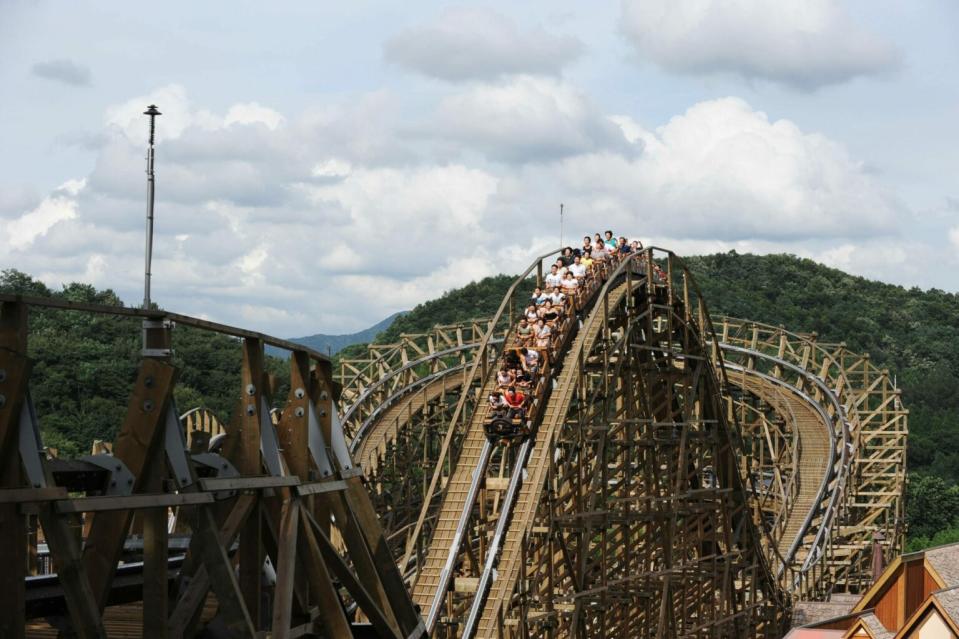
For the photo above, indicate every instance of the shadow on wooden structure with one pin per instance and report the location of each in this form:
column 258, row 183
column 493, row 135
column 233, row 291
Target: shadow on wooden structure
column 260, row 513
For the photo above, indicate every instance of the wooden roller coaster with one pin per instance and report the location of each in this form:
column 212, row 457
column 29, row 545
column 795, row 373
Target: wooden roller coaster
column 821, row 440
column 679, row 479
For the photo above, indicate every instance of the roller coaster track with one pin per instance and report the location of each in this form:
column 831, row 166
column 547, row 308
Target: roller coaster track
column 812, row 418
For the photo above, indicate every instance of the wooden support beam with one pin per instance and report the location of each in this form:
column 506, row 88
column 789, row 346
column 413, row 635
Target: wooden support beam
column 14, row 373
column 331, row 616
column 190, row 602
column 243, row 450
column 285, row 569
column 139, row 445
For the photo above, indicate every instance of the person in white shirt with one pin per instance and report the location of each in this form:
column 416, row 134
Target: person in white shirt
column 577, row 268
column 569, row 283
column 553, row 278
column 556, row 296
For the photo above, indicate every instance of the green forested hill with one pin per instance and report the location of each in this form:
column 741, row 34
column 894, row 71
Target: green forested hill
column 84, row 365
column 475, row 300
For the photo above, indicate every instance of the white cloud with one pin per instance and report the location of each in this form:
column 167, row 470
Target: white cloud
column 472, row 43
column 331, row 219
column 60, row 206
column 426, row 206
column 178, row 114
column 954, row 237
column 527, row 118
column 803, row 43
column 253, row 113
column 724, row 170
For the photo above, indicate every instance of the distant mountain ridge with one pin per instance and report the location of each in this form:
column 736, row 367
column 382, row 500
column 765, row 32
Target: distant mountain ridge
column 335, row 343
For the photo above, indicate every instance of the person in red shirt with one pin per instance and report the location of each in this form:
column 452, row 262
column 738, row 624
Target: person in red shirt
column 516, row 401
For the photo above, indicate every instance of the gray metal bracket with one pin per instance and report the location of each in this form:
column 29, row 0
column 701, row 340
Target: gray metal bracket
column 317, row 444
column 269, row 444
column 221, row 467
column 31, row 446
column 174, row 443
column 121, row 479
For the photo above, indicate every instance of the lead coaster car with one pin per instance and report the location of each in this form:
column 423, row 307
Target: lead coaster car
column 506, row 431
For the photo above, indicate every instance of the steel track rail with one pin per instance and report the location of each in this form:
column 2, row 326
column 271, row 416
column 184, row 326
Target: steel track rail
column 369, row 422
column 843, row 460
column 446, row 574
column 476, row 609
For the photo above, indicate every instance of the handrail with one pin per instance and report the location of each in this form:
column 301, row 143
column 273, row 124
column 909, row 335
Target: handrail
column 824, row 483
column 460, row 405
column 842, row 385
column 348, row 415
column 159, row 314
column 389, row 401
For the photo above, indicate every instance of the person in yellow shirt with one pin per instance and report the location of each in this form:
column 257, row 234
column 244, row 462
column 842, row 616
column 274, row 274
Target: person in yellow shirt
column 586, row 259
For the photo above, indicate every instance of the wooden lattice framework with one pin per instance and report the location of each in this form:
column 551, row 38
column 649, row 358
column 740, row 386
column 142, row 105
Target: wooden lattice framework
column 813, row 549
column 862, row 498
column 281, row 487
column 758, row 608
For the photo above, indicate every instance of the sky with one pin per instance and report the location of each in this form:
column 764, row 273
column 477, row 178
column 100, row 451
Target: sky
column 322, row 165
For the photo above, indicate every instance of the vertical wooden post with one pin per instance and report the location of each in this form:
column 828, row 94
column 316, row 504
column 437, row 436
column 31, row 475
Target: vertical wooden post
column 139, row 445
column 156, row 543
column 14, row 372
column 246, row 458
column 155, row 576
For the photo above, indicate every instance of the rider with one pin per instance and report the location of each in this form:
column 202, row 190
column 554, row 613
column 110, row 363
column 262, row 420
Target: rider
column 497, row 405
column 516, row 403
column 611, row 242
column 553, row 278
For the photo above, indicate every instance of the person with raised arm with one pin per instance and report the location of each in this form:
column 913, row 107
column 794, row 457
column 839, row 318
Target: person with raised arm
column 530, row 359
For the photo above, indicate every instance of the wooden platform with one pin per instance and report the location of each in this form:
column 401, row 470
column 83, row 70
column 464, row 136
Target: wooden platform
column 121, row 622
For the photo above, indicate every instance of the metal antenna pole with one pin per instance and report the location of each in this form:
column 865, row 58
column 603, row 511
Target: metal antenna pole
column 561, row 224
column 152, row 112
column 156, row 333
